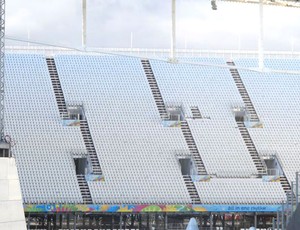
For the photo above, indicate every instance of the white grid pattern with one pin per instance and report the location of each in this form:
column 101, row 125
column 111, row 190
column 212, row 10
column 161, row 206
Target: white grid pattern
column 46, row 170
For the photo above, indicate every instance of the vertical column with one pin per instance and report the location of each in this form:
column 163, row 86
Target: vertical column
column 48, row 222
column 83, row 24
column 273, row 223
column 121, row 226
column 261, row 36
column 223, row 221
column 157, row 221
column 297, row 188
column 90, row 221
column 277, row 220
column 98, row 222
column 28, row 221
column 68, row 221
column 60, row 220
column 75, row 221
column 54, row 220
column 2, row 41
column 166, row 221
column 140, row 220
column 148, row 227
column 211, row 221
column 282, row 216
column 83, row 220
column 292, row 198
column 173, row 38
column 112, row 221
column 200, row 220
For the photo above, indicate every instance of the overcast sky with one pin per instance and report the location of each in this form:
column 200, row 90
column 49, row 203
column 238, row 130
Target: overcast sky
column 111, row 22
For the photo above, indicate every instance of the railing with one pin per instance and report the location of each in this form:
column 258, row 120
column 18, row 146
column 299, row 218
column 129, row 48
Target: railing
column 75, row 103
column 274, row 172
column 156, row 52
column 113, row 200
column 183, row 153
column 237, row 108
column 78, row 153
column 272, row 154
column 227, row 227
column 172, row 200
column 235, row 174
column 174, row 104
column 262, row 160
column 268, row 153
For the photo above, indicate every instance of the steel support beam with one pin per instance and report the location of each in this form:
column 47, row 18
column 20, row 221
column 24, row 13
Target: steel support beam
column 166, row 221
column 277, row 220
column 282, row 216
column 211, row 221
column 297, row 188
column 261, row 36
column 28, row 221
column 83, row 24
column 173, row 37
column 2, row 47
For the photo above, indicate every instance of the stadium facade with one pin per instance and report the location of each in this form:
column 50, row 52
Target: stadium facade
column 107, row 141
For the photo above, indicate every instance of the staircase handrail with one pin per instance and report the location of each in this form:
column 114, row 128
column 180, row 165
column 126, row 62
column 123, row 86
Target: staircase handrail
column 78, row 152
column 182, row 152
column 75, row 103
column 233, row 174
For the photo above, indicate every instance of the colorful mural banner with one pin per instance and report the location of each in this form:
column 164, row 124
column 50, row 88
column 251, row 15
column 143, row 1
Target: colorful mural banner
column 91, row 177
column 71, row 122
column 44, row 208
column 172, row 124
column 271, row 178
column 200, row 178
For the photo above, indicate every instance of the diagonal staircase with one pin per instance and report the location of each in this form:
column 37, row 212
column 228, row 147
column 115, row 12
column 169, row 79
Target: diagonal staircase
column 155, row 90
column 259, row 163
column 84, row 189
column 285, row 184
column 193, row 148
column 191, row 189
column 184, row 127
column 196, row 112
column 62, row 108
column 243, row 92
column 89, row 144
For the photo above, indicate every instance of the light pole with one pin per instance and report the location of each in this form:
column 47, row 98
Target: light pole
column 83, row 24
column 261, row 36
column 173, row 37
column 297, row 188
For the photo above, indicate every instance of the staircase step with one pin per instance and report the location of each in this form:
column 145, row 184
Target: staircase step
column 154, row 88
column 62, row 108
column 192, row 147
column 243, row 92
column 251, row 148
column 84, row 190
column 196, row 112
column 89, row 144
column 191, row 189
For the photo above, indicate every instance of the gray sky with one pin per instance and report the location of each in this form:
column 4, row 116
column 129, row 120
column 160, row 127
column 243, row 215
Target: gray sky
column 110, row 23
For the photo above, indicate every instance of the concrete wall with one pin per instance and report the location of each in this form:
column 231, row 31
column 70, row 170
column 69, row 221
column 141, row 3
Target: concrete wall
column 11, row 205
